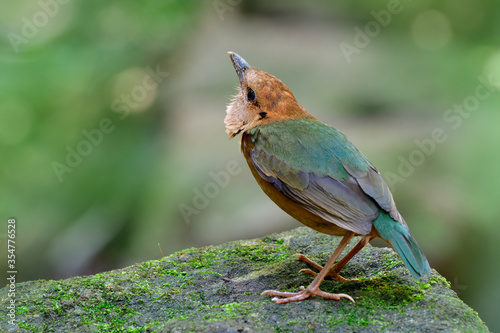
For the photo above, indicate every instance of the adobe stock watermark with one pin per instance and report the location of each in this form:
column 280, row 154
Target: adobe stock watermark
column 453, row 118
column 129, row 101
column 31, row 25
column 209, row 191
column 457, row 287
column 223, row 6
column 122, row 106
column 364, row 36
column 11, row 272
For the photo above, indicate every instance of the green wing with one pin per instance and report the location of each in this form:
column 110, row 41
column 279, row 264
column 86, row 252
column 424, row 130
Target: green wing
column 317, row 167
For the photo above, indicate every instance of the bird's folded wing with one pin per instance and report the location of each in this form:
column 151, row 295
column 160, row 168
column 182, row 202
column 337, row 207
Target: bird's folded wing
column 324, row 172
column 343, row 203
column 372, row 183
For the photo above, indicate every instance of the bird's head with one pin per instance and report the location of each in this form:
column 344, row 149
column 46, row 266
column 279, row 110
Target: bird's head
column 262, row 98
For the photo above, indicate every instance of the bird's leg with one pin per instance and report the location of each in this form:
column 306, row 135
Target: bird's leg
column 338, row 266
column 313, row 288
column 334, row 272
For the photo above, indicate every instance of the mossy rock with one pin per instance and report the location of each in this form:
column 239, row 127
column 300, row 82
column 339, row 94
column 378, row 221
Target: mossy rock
column 217, row 289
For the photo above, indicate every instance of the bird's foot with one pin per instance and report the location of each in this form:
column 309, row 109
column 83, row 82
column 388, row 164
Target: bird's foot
column 303, row 294
column 332, row 272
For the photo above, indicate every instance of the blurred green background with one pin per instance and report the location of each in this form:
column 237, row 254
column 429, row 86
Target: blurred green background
column 111, row 124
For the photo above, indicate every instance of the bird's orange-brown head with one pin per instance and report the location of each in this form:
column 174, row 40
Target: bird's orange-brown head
column 261, row 98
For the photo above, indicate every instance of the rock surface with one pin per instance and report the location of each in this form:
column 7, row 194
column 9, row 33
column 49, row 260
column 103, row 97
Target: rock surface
column 217, row 289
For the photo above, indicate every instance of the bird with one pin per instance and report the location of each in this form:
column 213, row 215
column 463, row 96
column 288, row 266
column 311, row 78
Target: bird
column 315, row 174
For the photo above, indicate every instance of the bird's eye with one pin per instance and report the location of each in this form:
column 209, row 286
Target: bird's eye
column 250, row 95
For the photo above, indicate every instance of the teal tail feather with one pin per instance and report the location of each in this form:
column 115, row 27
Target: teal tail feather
column 403, row 243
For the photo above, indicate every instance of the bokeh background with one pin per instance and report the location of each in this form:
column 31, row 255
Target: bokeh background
column 111, row 124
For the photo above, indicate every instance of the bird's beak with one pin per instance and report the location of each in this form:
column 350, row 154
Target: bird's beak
column 240, row 65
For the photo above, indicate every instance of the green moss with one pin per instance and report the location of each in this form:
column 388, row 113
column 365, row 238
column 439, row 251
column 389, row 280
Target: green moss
column 266, row 270
column 230, row 311
column 30, row 327
column 391, row 261
column 174, row 272
column 217, row 288
column 384, row 293
column 438, row 279
column 256, row 251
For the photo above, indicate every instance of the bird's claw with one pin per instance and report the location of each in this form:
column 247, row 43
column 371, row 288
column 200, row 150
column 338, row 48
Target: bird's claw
column 304, row 293
column 308, row 271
